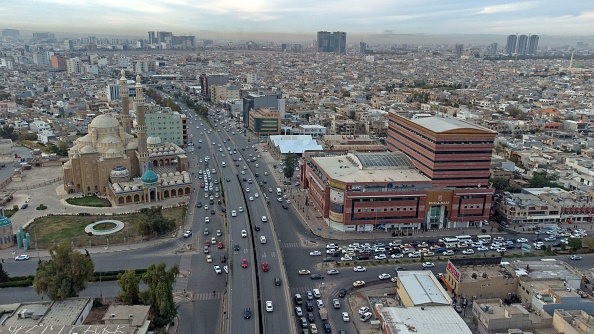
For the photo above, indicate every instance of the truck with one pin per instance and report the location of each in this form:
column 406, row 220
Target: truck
column 323, row 313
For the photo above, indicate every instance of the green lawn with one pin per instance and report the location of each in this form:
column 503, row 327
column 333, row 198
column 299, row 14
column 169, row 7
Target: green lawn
column 56, row 229
column 89, row 201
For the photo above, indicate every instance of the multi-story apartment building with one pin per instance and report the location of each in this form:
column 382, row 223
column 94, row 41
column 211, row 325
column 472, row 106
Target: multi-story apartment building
column 265, row 122
column 166, row 124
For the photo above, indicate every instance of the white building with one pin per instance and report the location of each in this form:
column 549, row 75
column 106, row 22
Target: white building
column 39, row 126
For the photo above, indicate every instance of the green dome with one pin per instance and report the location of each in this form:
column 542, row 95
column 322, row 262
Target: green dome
column 4, row 221
column 149, row 177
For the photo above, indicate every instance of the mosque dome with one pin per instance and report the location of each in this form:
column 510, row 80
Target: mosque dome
column 104, row 121
column 87, row 149
column 120, row 172
column 149, row 177
column 153, row 141
column 4, row 221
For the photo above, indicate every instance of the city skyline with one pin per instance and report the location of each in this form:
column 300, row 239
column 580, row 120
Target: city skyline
column 377, row 18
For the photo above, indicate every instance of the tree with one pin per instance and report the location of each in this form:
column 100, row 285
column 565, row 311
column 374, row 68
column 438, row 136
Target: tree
column 290, row 161
column 574, row 244
column 155, row 221
column 588, row 242
column 3, row 275
column 129, row 291
column 500, row 183
column 159, row 293
column 65, row 274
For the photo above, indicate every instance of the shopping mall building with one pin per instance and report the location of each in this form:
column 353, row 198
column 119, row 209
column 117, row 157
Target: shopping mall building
column 435, row 176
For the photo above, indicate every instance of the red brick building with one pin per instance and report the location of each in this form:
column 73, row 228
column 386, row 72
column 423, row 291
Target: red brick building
column 394, row 190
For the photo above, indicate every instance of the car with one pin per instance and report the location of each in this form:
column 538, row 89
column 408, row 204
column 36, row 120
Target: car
column 285, row 207
column 251, row 198
column 187, row 234
column 233, row 213
column 482, row 248
column 384, row 276
column 522, row 240
column 366, row 316
column 220, row 245
column 269, row 307
column 256, row 195
column 315, row 253
column 280, row 199
column 277, row 281
column 575, row 257
column 247, row 313
column 449, row 252
column 551, row 238
column 316, row 276
column 399, row 268
column 228, row 179
column 346, row 258
column 304, row 272
column 24, row 206
column 397, row 256
column 199, row 205
column 264, row 219
column 314, row 329
column 468, row 251
column 380, row 257
column 298, row 311
column 363, row 310
column 217, row 269
column 208, row 258
column 219, row 233
column 265, row 267
column 345, row 317
column 358, row 283
column 333, row 272
column 319, row 303
column 243, row 233
column 236, row 248
column 22, row 257
column 240, row 209
column 247, row 190
column 256, row 227
column 359, row 268
column 244, row 263
column 428, row 264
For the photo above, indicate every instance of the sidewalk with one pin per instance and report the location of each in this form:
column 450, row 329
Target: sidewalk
column 319, row 227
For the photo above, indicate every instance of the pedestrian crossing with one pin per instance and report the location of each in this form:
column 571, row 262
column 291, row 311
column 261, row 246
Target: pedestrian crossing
column 207, row 296
column 303, row 290
column 291, row 245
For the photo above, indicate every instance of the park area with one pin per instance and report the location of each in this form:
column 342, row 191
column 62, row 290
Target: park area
column 49, row 230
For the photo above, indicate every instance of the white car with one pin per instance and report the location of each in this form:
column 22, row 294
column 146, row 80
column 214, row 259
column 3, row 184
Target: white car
column 357, row 284
column 522, row 240
column 269, row 307
column 247, row 190
column 256, row 195
column 380, row 257
column 264, row 219
column 217, row 269
column 233, row 213
column 363, row 310
column 240, row 209
column 22, row 257
column 428, row 264
column 366, row 316
column 482, row 248
column 468, row 251
column 414, row 254
column 243, row 233
column 187, row 234
column 345, row 317
column 315, row 253
column 385, row 276
column 397, row 255
column 359, row 268
column 449, row 252
column 251, row 198
column 346, row 258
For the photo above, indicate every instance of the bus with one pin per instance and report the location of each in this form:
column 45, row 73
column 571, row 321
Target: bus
column 484, row 238
column 451, row 242
column 279, row 192
column 467, row 239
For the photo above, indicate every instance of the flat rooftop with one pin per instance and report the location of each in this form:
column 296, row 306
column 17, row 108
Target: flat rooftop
column 63, row 329
column 422, row 288
column 444, row 124
column 544, row 270
column 425, row 320
column 371, row 167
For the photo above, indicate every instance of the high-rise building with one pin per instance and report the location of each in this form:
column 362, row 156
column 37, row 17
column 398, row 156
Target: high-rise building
column 68, row 44
column 450, row 152
column 37, row 36
column 58, row 62
column 521, row 49
column 331, row 41
column 74, row 65
column 207, row 80
column 492, row 49
column 459, row 49
column 510, row 47
column 532, row 44
column 362, row 47
column 152, row 38
column 10, row 33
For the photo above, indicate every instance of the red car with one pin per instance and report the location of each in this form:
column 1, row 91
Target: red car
column 207, row 243
column 244, row 263
column 201, row 185
column 220, row 245
column 265, row 266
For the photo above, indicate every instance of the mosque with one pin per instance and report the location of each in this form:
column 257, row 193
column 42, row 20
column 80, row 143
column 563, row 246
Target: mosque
column 109, row 161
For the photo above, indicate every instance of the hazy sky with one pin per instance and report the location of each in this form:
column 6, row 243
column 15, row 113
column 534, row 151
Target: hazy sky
column 135, row 17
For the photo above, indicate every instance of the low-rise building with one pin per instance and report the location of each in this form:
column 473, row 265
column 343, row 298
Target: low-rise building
column 265, row 122
column 493, row 316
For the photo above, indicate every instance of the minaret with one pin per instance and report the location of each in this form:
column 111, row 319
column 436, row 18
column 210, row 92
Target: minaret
column 125, row 96
column 141, row 128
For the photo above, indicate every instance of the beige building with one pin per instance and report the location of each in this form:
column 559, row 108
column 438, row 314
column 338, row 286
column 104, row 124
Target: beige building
column 493, row 316
column 573, row 322
column 479, row 278
column 110, row 161
column 224, row 93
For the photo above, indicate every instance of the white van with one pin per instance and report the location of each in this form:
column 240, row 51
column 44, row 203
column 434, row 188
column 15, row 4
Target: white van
column 223, row 164
column 262, row 239
column 317, row 293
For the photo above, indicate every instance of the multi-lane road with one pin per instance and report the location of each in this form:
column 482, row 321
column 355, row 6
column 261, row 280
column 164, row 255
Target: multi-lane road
column 217, row 302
